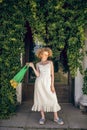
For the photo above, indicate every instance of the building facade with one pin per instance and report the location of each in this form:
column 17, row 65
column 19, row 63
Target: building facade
column 78, row 82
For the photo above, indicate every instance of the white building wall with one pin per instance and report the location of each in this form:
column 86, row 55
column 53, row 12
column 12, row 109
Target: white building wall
column 19, row 93
column 19, row 87
column 79, row 77
column 78, row 87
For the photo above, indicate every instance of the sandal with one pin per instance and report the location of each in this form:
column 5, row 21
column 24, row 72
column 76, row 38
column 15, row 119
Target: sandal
column 59, row 121
column 42, row 121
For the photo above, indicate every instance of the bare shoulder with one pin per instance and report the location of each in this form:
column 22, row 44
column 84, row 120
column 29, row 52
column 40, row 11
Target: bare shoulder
column 51, row 62
column 37, row 64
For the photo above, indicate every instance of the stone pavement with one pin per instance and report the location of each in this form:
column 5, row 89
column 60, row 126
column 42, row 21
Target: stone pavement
column 25, row 119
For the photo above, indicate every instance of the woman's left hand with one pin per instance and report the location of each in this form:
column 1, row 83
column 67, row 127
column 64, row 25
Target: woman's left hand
column 52, row 89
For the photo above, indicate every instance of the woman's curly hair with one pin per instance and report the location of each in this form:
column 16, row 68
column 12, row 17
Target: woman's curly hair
column 41, row 50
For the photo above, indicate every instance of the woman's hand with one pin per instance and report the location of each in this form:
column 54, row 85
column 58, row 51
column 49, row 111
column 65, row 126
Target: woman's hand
column 30, row 64
column 52, row 89
column 27, row 64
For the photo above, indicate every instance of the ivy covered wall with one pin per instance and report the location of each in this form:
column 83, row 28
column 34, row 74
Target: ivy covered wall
column 59, row 24
column 11, row 45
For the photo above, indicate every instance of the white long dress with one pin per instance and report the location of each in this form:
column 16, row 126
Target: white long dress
column 44, row 98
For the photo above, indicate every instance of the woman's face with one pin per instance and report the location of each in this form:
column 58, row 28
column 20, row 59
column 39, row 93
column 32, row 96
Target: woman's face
column 44, row 55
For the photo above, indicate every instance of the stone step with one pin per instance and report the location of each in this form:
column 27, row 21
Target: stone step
column 26, row 128
column 25, row 119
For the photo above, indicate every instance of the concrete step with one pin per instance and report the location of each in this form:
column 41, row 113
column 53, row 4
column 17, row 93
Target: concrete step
column 25, row 119
column 15, row 128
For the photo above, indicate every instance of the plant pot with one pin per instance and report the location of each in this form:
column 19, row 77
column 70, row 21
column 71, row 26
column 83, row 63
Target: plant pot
column 83, row 100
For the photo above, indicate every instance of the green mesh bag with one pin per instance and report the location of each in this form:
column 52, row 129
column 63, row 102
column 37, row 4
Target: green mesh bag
column 19, row 76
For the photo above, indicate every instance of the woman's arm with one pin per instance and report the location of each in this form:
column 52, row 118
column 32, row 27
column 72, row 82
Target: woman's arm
column 52, row 77
column 36, row 70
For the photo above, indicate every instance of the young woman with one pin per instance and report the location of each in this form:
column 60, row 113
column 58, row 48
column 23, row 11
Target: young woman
column 45, row 99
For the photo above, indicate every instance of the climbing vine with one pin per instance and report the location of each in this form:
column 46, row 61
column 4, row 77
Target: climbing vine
column 11, row 45
column 61, row 26
column 58, row 24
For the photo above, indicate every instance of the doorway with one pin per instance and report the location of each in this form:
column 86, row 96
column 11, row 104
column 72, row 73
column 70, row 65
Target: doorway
column 63, row 81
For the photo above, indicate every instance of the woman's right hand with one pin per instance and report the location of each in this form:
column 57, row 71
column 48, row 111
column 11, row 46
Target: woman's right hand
column 30, row 64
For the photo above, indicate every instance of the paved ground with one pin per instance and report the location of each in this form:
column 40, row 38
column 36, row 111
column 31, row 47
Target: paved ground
column 25, row 119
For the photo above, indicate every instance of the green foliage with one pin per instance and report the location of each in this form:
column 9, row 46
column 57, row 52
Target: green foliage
column 59, row 24
column 84, row 89
column 11, row 45
column 7, row 101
